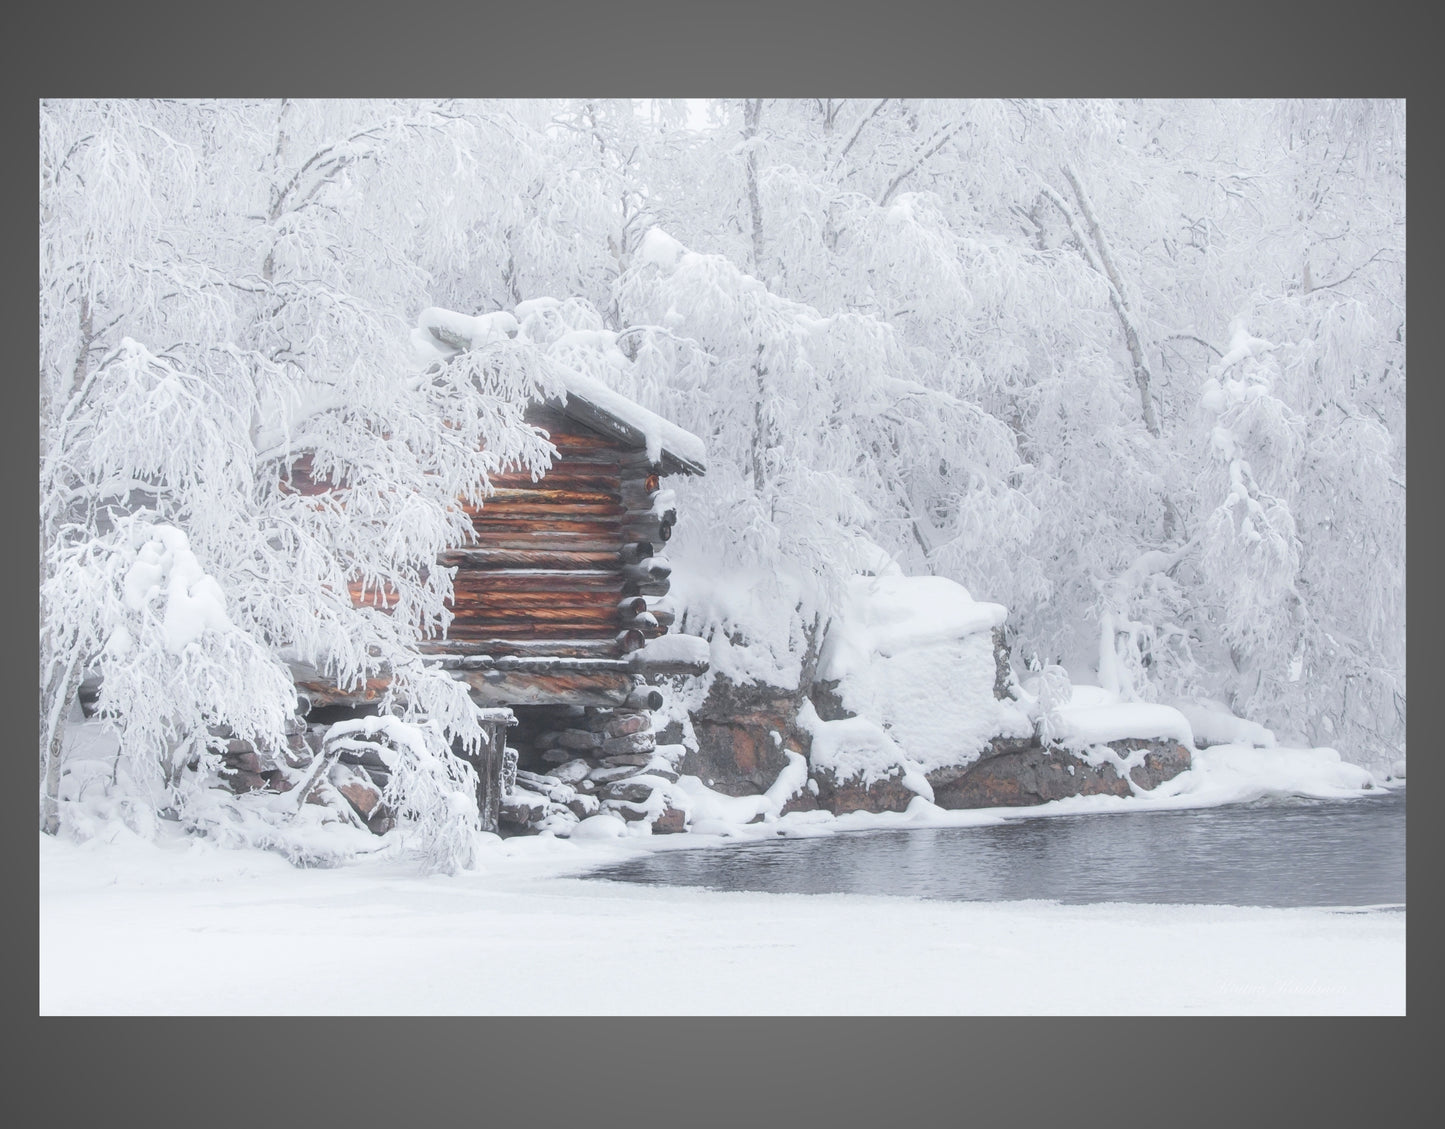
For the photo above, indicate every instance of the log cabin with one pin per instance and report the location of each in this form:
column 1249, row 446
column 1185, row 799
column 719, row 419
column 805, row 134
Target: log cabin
column 561, row 601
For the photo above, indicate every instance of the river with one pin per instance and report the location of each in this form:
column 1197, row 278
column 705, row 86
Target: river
column 1279, row 852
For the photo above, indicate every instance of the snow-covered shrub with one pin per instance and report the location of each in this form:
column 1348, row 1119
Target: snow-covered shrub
column 432, row 792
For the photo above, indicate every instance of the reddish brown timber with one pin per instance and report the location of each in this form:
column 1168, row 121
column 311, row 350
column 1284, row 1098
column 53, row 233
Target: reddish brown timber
column 561, row 647
column 530, row 627
column 470, row 589
column 562, row 476
column 490, row 558
column 564, row 511
column 323, row 693
column 523, row 605
column 634, row 463
column 513, row 578
column 554, row 492
column 550, row 529
column 550, row 539
column 534, row 616
column 521, row 625
column 550, row 637
column 464, row 611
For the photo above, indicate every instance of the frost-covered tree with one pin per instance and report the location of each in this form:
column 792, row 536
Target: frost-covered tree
column 225, row 291
column 1073, row 269
column 998, row 340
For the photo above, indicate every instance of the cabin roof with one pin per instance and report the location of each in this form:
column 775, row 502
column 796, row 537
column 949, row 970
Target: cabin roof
column 585, row 398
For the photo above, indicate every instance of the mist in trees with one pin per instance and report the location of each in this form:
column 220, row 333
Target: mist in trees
column 1134, row 369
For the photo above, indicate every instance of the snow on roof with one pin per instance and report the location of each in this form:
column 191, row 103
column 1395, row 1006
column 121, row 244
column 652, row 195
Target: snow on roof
column 585, row 398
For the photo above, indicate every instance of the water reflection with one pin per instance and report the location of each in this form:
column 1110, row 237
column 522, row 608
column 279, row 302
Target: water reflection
column 1293, row 853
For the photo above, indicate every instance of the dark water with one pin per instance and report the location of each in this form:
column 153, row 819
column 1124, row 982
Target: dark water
column 1279, row 853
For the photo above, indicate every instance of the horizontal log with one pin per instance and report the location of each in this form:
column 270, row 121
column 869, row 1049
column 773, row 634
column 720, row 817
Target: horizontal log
column 663, row 608
column 632, row 605
column 536, row 613
column 648, row 668
column 551, row 530
column 630, row 640
column 324, row 693
column 487, row 557
column 650, row 568
column 569, row 437
column 647, row 587
column 473, row 612
column 556, row 491
column 543, row 538
column 513, row 509
column 634, row 551
column 648, row 625
column 531, row 629
column 505, row 579
column 633, row 463
column 494, row 646
column 645, row 529
column 567, row 476
column 536, row 664
column 531, row 621
column 471, row 588
column 666, row 517
column 587, row 615
column 525, row 688
column 644, row 698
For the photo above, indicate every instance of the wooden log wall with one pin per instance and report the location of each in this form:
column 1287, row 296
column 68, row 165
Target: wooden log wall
column 557, row 559
column 569, row 567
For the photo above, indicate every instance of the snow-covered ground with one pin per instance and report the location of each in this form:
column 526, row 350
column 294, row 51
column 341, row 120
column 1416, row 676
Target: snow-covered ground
column 132, row 926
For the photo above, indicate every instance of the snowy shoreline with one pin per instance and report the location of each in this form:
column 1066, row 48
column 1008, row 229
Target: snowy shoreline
column 525, row 933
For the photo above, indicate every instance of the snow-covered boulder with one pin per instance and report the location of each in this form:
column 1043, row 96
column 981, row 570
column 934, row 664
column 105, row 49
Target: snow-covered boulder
column 912, row 678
